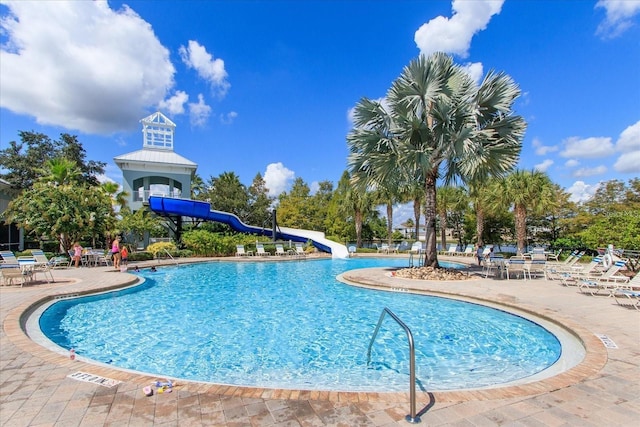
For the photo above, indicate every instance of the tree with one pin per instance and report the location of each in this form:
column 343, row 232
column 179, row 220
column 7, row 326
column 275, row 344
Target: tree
column 526, row 192
column 294, row 207
column 197, row 186
column 27, row 160
column 67, row 213
column 226, row 193
column 259, row 203
column 142, row 221
column 450, row 201
column 118, row 198
column 438, row 124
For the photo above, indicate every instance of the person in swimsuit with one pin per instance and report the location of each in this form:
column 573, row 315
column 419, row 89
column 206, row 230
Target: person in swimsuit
column 115, row 251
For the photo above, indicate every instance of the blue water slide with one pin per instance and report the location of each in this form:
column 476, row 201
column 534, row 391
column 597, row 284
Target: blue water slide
column 202, row 210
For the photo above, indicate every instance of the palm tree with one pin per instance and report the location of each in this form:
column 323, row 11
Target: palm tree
column 119, row 198
column 438, row 124
column 61, row 171
column 526, row 192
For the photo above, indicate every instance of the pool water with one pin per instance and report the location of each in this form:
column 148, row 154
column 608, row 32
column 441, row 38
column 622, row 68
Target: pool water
column 293, row 325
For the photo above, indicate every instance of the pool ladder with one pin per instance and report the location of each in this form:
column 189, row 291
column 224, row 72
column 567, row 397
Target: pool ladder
column 412, row 417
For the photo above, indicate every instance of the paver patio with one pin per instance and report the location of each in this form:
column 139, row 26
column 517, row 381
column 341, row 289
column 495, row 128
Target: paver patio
column 604, row 390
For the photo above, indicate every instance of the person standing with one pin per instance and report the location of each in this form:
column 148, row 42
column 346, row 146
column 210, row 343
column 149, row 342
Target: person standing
column 124, row 255
column 479, row 251
column 115, row 251
column 77, row 253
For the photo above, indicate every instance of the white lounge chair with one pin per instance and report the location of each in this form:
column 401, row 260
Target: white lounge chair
column 260, row 250
column 416, row 248
column 606, row 283
column 240, row 251
column 629, row 293
column 43, row 265
column 300, row 250
column 9, row 258
column 280, row 250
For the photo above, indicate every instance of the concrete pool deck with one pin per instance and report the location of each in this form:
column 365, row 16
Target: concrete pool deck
column 602, row 390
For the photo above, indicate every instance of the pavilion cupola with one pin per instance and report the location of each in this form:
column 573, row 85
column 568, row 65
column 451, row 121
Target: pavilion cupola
column 157, row 131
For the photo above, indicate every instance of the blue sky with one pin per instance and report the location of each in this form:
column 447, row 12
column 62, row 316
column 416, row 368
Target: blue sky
column 267, row 86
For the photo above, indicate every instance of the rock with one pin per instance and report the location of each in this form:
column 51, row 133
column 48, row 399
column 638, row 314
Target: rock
column 430, row 273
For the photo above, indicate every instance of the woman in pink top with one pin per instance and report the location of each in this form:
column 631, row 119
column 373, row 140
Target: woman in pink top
column 77, row 253
column 115, row 251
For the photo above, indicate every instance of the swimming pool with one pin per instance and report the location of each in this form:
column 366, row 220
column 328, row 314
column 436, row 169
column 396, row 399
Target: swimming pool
column 292, row 325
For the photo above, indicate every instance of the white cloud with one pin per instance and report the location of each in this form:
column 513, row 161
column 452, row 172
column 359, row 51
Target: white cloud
column 586, row 172
column 542, row 167
column 453, row 35
column 629, row 139
column 571, row 163
column 619, row 16
column 541, row 149
column 277, row 178
column 628, row 163
column 594, row 147
column 212, row 70
column 227, row 119
column 175, row 104
column 581, row 192
column 199, row 112
column 81, row 65
column 475, row 71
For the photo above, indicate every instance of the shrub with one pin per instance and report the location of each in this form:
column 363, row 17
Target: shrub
column 161, row 247
column 140, row 256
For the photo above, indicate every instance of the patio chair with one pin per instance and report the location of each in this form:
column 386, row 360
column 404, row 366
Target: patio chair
column 453, row 250
column 516, row 264
column 553, row 256
column 240, row 251
column 260, row 250
column 383, row 248
column 538, row 266
column 571, row 278
column 416, row 248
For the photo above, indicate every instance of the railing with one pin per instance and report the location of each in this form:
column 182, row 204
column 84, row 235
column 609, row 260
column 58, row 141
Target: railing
column 143, row 196
column 172, row 258
column 412, row 417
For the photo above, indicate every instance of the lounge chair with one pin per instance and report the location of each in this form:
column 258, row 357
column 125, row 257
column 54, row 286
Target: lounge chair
column 383, row 248
column 9, row 258
column 453, row 250
column 280, row 250
column 606, row 283
column 300, row 250
column 43, row 264
column 629, row 293
column 240, row 251
column 11, row 274
column 468, row 251
column 416, row 248
column 570, row 275
column 260, row 250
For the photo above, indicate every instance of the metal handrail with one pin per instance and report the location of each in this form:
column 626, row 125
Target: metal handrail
column 172, row 258
column 412, row 417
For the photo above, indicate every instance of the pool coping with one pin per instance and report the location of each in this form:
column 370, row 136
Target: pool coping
column 593, row 362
